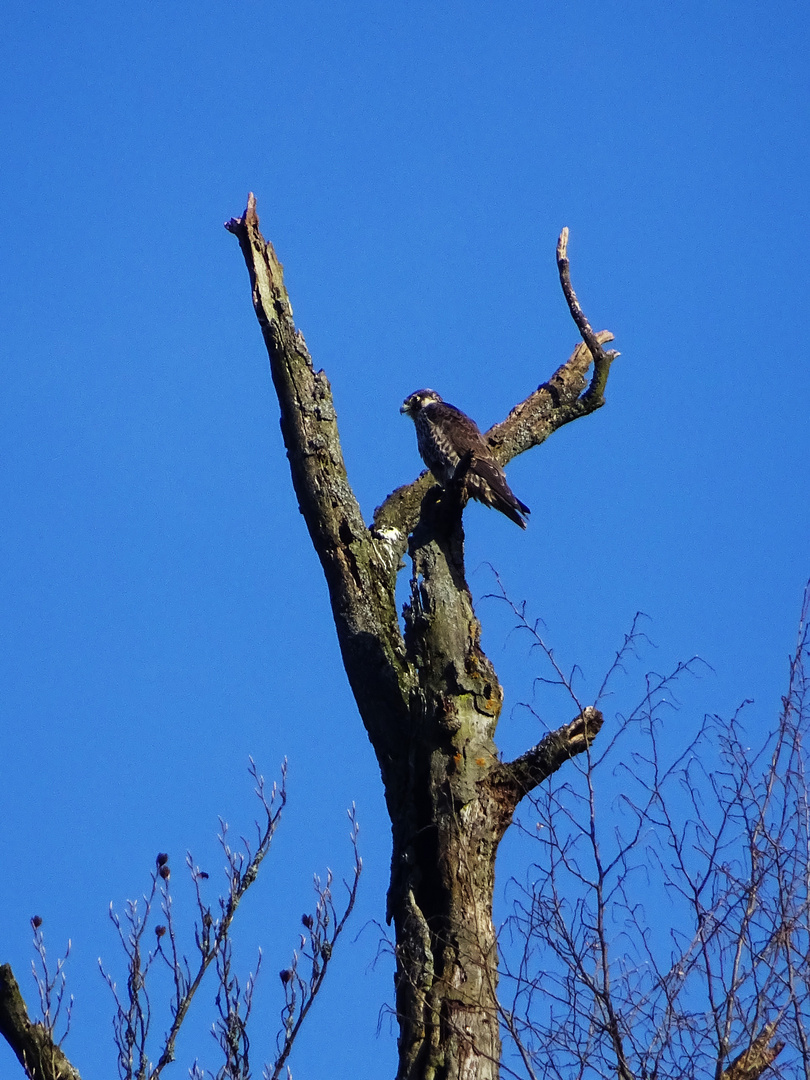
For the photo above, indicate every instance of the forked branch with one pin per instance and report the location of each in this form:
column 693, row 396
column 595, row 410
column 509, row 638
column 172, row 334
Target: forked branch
column 323, row 928
column 564, row 397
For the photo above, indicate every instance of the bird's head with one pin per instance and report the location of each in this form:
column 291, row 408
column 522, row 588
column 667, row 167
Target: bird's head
column 418, row 400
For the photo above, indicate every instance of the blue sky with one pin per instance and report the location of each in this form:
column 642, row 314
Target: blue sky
column 163, row 615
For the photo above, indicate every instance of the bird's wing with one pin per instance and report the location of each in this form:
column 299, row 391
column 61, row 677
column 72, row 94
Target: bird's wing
column 457, row 429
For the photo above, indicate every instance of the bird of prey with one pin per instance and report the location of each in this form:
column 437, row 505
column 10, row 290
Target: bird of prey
column 446, row 436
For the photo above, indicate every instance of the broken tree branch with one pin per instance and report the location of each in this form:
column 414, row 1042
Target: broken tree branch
column 33, row 1043
column 759, row 1056
column 517, row 778
column 360, row 571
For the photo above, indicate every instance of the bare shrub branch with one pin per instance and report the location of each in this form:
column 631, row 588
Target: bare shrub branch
column 36, row 1045
column 323, row 928
column 133, row 1014
column 51, row 985
column 671, row 936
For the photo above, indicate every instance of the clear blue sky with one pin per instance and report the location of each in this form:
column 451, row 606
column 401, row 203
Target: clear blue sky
column 163, row 614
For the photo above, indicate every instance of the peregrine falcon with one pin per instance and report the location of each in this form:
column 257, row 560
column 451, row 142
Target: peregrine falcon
column 446, row 436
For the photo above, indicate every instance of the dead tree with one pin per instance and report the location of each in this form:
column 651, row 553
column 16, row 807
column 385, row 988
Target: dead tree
column 430, row 701
column 429, row 698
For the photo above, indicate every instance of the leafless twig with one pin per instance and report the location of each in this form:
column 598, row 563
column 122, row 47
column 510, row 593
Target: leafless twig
column 322, row 929
column 51, row 986
column 133, row 1009
column 669, row 936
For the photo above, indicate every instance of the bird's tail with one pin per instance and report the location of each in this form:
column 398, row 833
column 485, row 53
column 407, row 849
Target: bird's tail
column 487, row 483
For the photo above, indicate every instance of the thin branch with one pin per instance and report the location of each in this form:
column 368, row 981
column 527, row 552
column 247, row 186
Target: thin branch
column 51, row 986
column 317, row 946
column 601, row 359
column 239, row 882
column 715, row 982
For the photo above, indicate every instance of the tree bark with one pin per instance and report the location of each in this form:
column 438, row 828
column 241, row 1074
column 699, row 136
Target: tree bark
column 759, row 1056
column 39, row 1055
column 429, row 699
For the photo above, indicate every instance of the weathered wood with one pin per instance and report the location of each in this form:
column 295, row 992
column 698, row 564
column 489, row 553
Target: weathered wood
column 430, row 699
column 39, row 1055
column 563, row 398
column 359, row 568
column 759, row 1057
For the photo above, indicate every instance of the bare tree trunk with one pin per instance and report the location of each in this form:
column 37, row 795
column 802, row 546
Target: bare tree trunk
column 430, row 700
column 446, row 837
